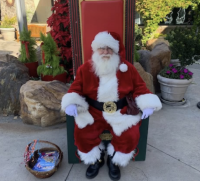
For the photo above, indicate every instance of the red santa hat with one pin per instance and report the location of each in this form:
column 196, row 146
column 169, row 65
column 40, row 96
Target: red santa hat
column 112, row 40
column 103, row 39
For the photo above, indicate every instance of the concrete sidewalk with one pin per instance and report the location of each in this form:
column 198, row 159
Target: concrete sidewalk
column 173, row 150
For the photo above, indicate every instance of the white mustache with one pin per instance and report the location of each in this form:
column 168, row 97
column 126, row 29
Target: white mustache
column 105, row 55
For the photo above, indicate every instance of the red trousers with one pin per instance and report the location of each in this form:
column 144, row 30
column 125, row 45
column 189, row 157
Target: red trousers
column 87, row 138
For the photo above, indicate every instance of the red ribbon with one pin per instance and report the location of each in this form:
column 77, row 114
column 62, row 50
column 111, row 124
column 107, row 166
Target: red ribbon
column 26, row 43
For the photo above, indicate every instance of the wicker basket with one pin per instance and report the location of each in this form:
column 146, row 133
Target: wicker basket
column 49, row 147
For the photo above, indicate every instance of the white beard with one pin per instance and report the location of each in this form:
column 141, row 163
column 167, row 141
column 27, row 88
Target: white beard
column 104, row 66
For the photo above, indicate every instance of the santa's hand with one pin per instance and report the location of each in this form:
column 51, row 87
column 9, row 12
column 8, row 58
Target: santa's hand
column 71, row 110
column 147, row 112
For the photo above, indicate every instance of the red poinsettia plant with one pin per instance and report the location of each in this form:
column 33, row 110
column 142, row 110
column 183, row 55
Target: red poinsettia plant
column 60, row 31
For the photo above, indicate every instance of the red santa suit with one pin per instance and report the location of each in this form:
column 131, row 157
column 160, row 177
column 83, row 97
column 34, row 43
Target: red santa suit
column 91, row 122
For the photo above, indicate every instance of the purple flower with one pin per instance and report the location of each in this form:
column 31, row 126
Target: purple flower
column 181, row 77
column 168, row 72
column 190, row 73
column 185, row 70
column 174, row 70
column 170, row 65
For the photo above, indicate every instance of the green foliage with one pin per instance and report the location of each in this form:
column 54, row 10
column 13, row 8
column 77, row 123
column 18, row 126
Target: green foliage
column 51, row 66
column 8, row 22
column 25, row 35
column 183, row 43
column 138, row 33
column 197, row 17
column 155, row 11
column 136, row 55
column 158, row 35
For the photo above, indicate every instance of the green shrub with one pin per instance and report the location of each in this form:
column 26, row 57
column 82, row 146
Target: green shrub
column 51, row 66
column 8, row 22
column 183, row 43
column 25, row 36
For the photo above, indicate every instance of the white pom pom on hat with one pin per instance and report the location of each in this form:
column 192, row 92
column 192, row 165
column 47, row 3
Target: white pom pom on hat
column 123, row 67
column 103, row 39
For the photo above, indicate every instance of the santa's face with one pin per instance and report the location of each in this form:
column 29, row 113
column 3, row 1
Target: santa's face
column 105, row 62
column 105, row 52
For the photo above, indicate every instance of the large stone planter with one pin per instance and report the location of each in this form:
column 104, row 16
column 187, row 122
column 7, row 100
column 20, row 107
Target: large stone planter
column 8, row 34
column 173, row 89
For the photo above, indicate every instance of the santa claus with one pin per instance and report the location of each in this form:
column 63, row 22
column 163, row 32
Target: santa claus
column 97, row 100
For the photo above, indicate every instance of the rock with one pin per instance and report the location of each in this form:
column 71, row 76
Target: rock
column 13, row 74
column 153, row 42
column 160, row 58
column 41, row 102
column 147, row 77
column 144, row 60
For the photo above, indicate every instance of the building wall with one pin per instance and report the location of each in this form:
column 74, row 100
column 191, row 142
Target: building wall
column 43, row 10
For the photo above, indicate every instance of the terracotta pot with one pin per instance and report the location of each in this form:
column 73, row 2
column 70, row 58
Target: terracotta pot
column 61, row 77
column 32, row 66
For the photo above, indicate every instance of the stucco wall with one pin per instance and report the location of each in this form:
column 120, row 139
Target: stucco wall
column 43, row 10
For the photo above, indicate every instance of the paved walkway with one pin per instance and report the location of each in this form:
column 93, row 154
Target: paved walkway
column 173, row 150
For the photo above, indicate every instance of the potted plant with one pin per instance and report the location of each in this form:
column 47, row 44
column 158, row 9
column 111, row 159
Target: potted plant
column 50, row 68
column 28, row 52
column 7, row 29
column 175, row 79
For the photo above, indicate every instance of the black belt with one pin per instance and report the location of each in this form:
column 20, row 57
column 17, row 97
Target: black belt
column 109, row 106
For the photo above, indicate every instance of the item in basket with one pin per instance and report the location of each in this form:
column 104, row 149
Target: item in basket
column 46, row 161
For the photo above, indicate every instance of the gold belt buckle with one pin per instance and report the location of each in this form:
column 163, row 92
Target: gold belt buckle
column 109, row 107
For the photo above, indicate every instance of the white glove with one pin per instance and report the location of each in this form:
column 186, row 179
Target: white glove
column 147, row 112
column 71, row 110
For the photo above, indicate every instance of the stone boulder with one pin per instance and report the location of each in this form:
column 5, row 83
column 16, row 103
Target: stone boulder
column 41, row 102
column 153, row 42
column 13, row 74
column 147, row 77
column 160, row 58
column 144, row 60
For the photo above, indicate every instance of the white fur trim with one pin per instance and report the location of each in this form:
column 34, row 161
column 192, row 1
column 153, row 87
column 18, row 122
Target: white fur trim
column 108, row 91
column 108, row 88
column 83, row 119
column 121, row 122
column 92, row 156
column 121, row 159
column 148, row 101
column 74, row 98
column 123, row 67
column 103, row 39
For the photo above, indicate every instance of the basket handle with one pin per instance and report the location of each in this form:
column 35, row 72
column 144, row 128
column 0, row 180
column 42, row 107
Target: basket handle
column 61, row 156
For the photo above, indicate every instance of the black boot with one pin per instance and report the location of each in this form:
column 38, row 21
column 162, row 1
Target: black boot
column 114, row 171
column 93, row 170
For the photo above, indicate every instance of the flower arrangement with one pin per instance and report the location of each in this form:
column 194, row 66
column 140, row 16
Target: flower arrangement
column 176, row 72
column 8, row 22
